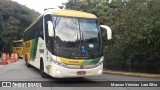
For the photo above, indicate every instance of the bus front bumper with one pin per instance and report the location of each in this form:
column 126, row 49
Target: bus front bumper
column 63, row 72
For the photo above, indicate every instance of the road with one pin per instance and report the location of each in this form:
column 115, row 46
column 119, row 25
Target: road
column 19, row 72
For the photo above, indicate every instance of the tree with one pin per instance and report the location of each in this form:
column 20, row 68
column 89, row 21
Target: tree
column 14, row 18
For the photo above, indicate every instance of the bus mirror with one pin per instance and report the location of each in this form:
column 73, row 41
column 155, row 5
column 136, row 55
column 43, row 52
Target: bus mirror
column 50, row 29
column 109, row 32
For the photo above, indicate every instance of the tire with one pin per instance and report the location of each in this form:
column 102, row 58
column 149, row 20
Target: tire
column 43, row 74
column 26, row 60
column 18, row 55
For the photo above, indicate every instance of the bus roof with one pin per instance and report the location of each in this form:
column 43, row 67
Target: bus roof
column 65, row 12
column 21, row 40
column 70, row 13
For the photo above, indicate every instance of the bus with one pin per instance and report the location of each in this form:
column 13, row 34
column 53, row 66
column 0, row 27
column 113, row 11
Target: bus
column 17, row 47
column 65, row 43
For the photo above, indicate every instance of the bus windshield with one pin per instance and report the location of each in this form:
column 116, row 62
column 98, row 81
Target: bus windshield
column 17, row 44
column 77, row 37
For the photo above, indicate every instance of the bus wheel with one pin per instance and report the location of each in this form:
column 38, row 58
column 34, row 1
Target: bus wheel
column 43, row 74
column 26, row 60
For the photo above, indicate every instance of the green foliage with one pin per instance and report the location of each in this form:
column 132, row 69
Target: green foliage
column 14, row 18
column 136, row 29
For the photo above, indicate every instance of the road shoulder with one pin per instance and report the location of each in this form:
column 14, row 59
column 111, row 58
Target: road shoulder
column 146, row 75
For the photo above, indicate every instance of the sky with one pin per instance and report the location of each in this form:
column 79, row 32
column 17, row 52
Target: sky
column 40, row 5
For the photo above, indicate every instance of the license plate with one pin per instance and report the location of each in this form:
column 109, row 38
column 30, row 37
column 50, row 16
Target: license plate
column 81, row 72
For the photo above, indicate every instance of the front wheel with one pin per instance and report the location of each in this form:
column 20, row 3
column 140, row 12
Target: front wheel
column 43, row 74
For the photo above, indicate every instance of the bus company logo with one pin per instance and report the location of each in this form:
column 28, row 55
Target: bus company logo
column 6, row 84
column 18, row 48
column 27, row 45
column 81, row 67
column 74, row 62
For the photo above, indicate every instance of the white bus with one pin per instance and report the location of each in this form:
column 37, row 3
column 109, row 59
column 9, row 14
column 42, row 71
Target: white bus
column 65, row 43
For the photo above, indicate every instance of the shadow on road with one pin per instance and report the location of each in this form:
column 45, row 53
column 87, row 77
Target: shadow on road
column 73, row 82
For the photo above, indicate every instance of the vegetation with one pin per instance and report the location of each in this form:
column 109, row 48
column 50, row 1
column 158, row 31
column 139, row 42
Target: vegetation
column 136, row 28
column 14, row 18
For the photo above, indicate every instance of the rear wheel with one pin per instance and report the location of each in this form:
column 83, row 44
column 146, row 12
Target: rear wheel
column 26, row 60
column 43, row 74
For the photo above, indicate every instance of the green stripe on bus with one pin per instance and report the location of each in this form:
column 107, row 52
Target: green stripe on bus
column 92, row 61
column 34, row 48
column 86, row 62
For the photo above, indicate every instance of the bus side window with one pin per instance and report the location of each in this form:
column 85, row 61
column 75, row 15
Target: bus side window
column 48, row 39
column 40, row 26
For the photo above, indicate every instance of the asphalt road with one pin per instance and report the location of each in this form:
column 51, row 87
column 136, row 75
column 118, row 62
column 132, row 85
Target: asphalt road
column 19, row 72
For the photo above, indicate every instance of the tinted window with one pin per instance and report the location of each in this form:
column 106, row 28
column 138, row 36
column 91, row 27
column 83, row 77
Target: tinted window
column 35, row 31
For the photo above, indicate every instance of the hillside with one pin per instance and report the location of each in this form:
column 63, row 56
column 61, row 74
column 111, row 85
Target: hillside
column 14, row 18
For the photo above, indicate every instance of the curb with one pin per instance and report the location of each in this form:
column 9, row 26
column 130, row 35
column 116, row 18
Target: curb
column 131, row 74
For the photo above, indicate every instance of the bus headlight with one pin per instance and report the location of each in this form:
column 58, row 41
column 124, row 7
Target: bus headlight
column 99, row 72
column 57, row 62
